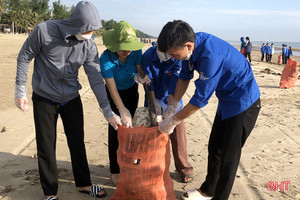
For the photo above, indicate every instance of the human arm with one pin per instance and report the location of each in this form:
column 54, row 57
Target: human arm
column 30, row 49
column 126, row 118
column 209, row 67
column 138, row 75
column 173, row 103
column 92, row 69
column 168, row 124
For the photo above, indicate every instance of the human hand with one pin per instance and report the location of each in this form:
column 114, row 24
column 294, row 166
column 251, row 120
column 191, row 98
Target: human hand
column 160, row 106
column 125, row 117
column 138, row 79
column 157, row 107
column 21, row 97
column 171, row 109
column 114, row 121
column 167, row 125
column 22, row 103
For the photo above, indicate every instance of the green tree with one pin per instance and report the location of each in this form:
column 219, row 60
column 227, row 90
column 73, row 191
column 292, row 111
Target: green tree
column 60, row 11
column 2, row 5
column 41, row 8
column 108, row 25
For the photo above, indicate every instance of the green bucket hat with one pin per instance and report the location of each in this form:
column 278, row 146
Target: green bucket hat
column 122, row 37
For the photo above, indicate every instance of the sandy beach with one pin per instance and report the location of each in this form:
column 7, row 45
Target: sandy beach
column 270, row 155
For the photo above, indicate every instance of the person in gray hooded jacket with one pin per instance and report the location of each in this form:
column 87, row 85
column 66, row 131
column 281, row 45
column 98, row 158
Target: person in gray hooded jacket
column 60, row 48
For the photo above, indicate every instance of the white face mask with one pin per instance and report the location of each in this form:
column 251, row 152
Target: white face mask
column 162, row 56
column 83, row 36
column 189, row 54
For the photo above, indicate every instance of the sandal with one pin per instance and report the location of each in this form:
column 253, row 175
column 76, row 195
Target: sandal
column 94, row 191
column 50, row 198
column 187, row 178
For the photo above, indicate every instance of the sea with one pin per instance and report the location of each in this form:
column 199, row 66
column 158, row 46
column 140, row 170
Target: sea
column 257, row 44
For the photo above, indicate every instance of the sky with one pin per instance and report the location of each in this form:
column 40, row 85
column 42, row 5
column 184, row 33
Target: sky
column 261, row 20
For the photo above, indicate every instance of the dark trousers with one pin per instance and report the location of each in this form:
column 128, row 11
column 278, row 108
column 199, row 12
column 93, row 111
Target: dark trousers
column 179, row 149
column 130, row 99
column 284, row 59
column 262, row 57
column 45, row 117
column 248, row 54
column 270, row 57
column 224, row 151
column 267, row 57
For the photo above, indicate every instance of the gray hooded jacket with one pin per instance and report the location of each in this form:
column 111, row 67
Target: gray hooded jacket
column 59, row 55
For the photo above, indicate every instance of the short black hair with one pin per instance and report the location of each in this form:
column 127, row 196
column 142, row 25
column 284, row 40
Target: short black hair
column 174, row 35
column 247, row 38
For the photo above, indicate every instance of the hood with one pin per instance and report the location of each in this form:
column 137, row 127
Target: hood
column 242, row 39
column 85, row 17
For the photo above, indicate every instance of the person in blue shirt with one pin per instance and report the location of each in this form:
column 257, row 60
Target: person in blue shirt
column 119, row 64
column 263, row 51
column 222, row 70
column 243, row 43
column 289, row 53
column 164, row 73
column 268, row 52
column 284, row 53
column 153, row 43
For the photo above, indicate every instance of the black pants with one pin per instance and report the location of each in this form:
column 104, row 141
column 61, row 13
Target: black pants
column 267, row 57
column 284, row 59
column 248, row 54
column 224, row 151
column 130, row 98
column 45, row 117
column 262, row 57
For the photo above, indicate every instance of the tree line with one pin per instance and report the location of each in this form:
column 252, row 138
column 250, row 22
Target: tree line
column 26, row 14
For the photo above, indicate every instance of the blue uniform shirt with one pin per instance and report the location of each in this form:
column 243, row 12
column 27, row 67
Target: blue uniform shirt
column 290, row 52
column 268, row 49
column 112, row 67
column 163, row 75
column 224, row 70
column 263, row 49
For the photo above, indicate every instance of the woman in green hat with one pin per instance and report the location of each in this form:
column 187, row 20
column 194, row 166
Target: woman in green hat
column 119, row 66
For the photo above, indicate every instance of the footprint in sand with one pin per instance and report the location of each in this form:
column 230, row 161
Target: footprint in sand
column 6, row 189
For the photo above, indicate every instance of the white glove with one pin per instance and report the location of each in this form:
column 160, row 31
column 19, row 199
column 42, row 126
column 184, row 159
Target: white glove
column 167, row 125
column 171, row 109
column 21, row 97
column 22, row 103
column 138, row 79
column 114, row 121
column 160, row 106
column 125, row 117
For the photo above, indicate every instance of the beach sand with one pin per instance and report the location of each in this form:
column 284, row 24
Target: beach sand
column 271, row 153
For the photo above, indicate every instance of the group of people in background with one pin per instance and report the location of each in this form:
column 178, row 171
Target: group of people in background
column 145, row 40
column 267, row 52
column 246, row 48
column 286, row 53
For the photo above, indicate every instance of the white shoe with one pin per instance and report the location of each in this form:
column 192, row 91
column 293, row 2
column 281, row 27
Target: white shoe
column 194, row 194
